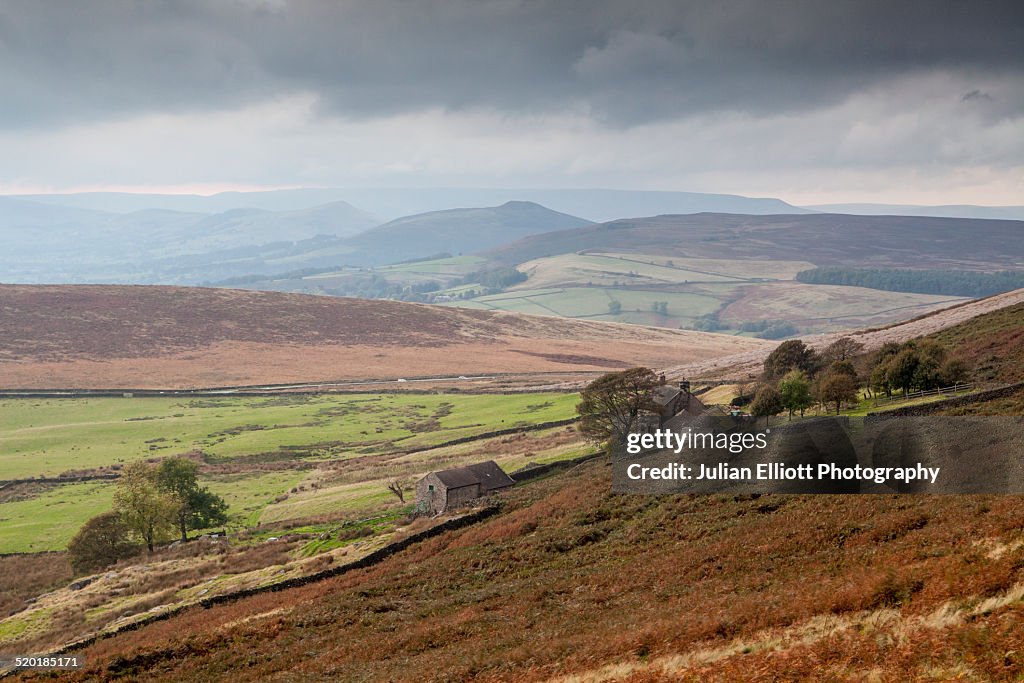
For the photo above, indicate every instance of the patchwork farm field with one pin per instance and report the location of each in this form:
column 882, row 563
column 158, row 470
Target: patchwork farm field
column 435, row 270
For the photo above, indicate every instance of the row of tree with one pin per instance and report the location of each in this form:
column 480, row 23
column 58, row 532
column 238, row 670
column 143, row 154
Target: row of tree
column 763, row 329
column 152, row 504
column 916, row 365
column 795, row 376
column 947, row 282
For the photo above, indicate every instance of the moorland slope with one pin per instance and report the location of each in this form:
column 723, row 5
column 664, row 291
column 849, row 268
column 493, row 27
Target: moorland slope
column 984, row 327
column 569, row 583
column 822, row 239
column 148, row 336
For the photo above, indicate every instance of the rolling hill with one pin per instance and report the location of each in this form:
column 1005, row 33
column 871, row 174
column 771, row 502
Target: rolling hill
column 822, row 239
column 150, row 336
column 982, row 330
column 455, row 231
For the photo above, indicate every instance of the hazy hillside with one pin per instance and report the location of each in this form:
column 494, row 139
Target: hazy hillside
column 455, row 231
column 252, row 227
column 823, row 239
column 949, row 210
column 51, row 243
column 103, row 336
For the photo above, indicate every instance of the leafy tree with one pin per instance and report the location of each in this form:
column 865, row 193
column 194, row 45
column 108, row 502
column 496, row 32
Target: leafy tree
column 767, row 402
column 790, row 355
column 708, row 322
column 842, row 349
column 614, row 307
column 880, row 377
column 843, row 367
column 610, row 405
column 101, row 542
column 149, row 512
column 778, row 330
column 836, row 387
column 795, row 391
column 953, row 371
column 199, row 507
column 901, row 369
column 949, row 282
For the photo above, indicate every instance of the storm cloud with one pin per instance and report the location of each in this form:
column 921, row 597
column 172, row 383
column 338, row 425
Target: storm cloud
column 558, row 66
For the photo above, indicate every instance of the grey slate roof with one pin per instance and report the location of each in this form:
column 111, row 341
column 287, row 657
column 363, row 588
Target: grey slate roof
column 664, row 394
column 487, row 474
column 491, row 476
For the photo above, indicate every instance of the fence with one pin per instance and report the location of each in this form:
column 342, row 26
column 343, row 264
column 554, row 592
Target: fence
column 955, row 389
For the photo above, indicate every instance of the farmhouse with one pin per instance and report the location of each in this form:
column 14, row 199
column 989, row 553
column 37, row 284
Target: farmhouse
column 441, row 491
column 669, row 402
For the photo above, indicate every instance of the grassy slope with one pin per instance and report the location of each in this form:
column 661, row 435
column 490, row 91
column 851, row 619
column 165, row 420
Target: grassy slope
column 992, row 343
column 48, row 437
column 569, row 580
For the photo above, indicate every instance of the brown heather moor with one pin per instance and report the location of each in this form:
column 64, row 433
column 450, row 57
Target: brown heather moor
column 571, row 583
column 176, row 337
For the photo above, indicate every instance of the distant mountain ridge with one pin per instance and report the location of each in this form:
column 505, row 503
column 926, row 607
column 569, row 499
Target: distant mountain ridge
column 393, row 203
column 823, row 239
column 943, row 211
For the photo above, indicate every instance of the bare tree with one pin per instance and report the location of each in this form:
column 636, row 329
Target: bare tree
column 398, row 487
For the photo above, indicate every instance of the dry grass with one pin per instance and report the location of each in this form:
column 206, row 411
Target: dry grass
column 23, row 577
column 748, row 364
column 180, row 337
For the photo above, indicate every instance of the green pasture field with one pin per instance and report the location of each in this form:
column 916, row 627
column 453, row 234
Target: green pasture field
column 604, row 269
column 592, row 303
column 48, row 521
column 46, row 437
column 445, row 269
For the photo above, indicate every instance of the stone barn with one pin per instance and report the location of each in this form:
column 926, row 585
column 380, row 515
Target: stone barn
column 446, row 490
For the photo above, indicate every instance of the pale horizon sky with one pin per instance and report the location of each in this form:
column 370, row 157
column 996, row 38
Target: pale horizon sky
column 849, row 101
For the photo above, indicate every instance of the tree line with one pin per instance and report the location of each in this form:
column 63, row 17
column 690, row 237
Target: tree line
column 945, row 282
column 152, row 504
column 796, row 377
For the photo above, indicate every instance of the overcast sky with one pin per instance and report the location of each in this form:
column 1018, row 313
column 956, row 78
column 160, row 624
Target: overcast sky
column 811, row 101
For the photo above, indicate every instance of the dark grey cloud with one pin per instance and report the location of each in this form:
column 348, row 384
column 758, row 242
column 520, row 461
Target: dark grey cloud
column 618, row 62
